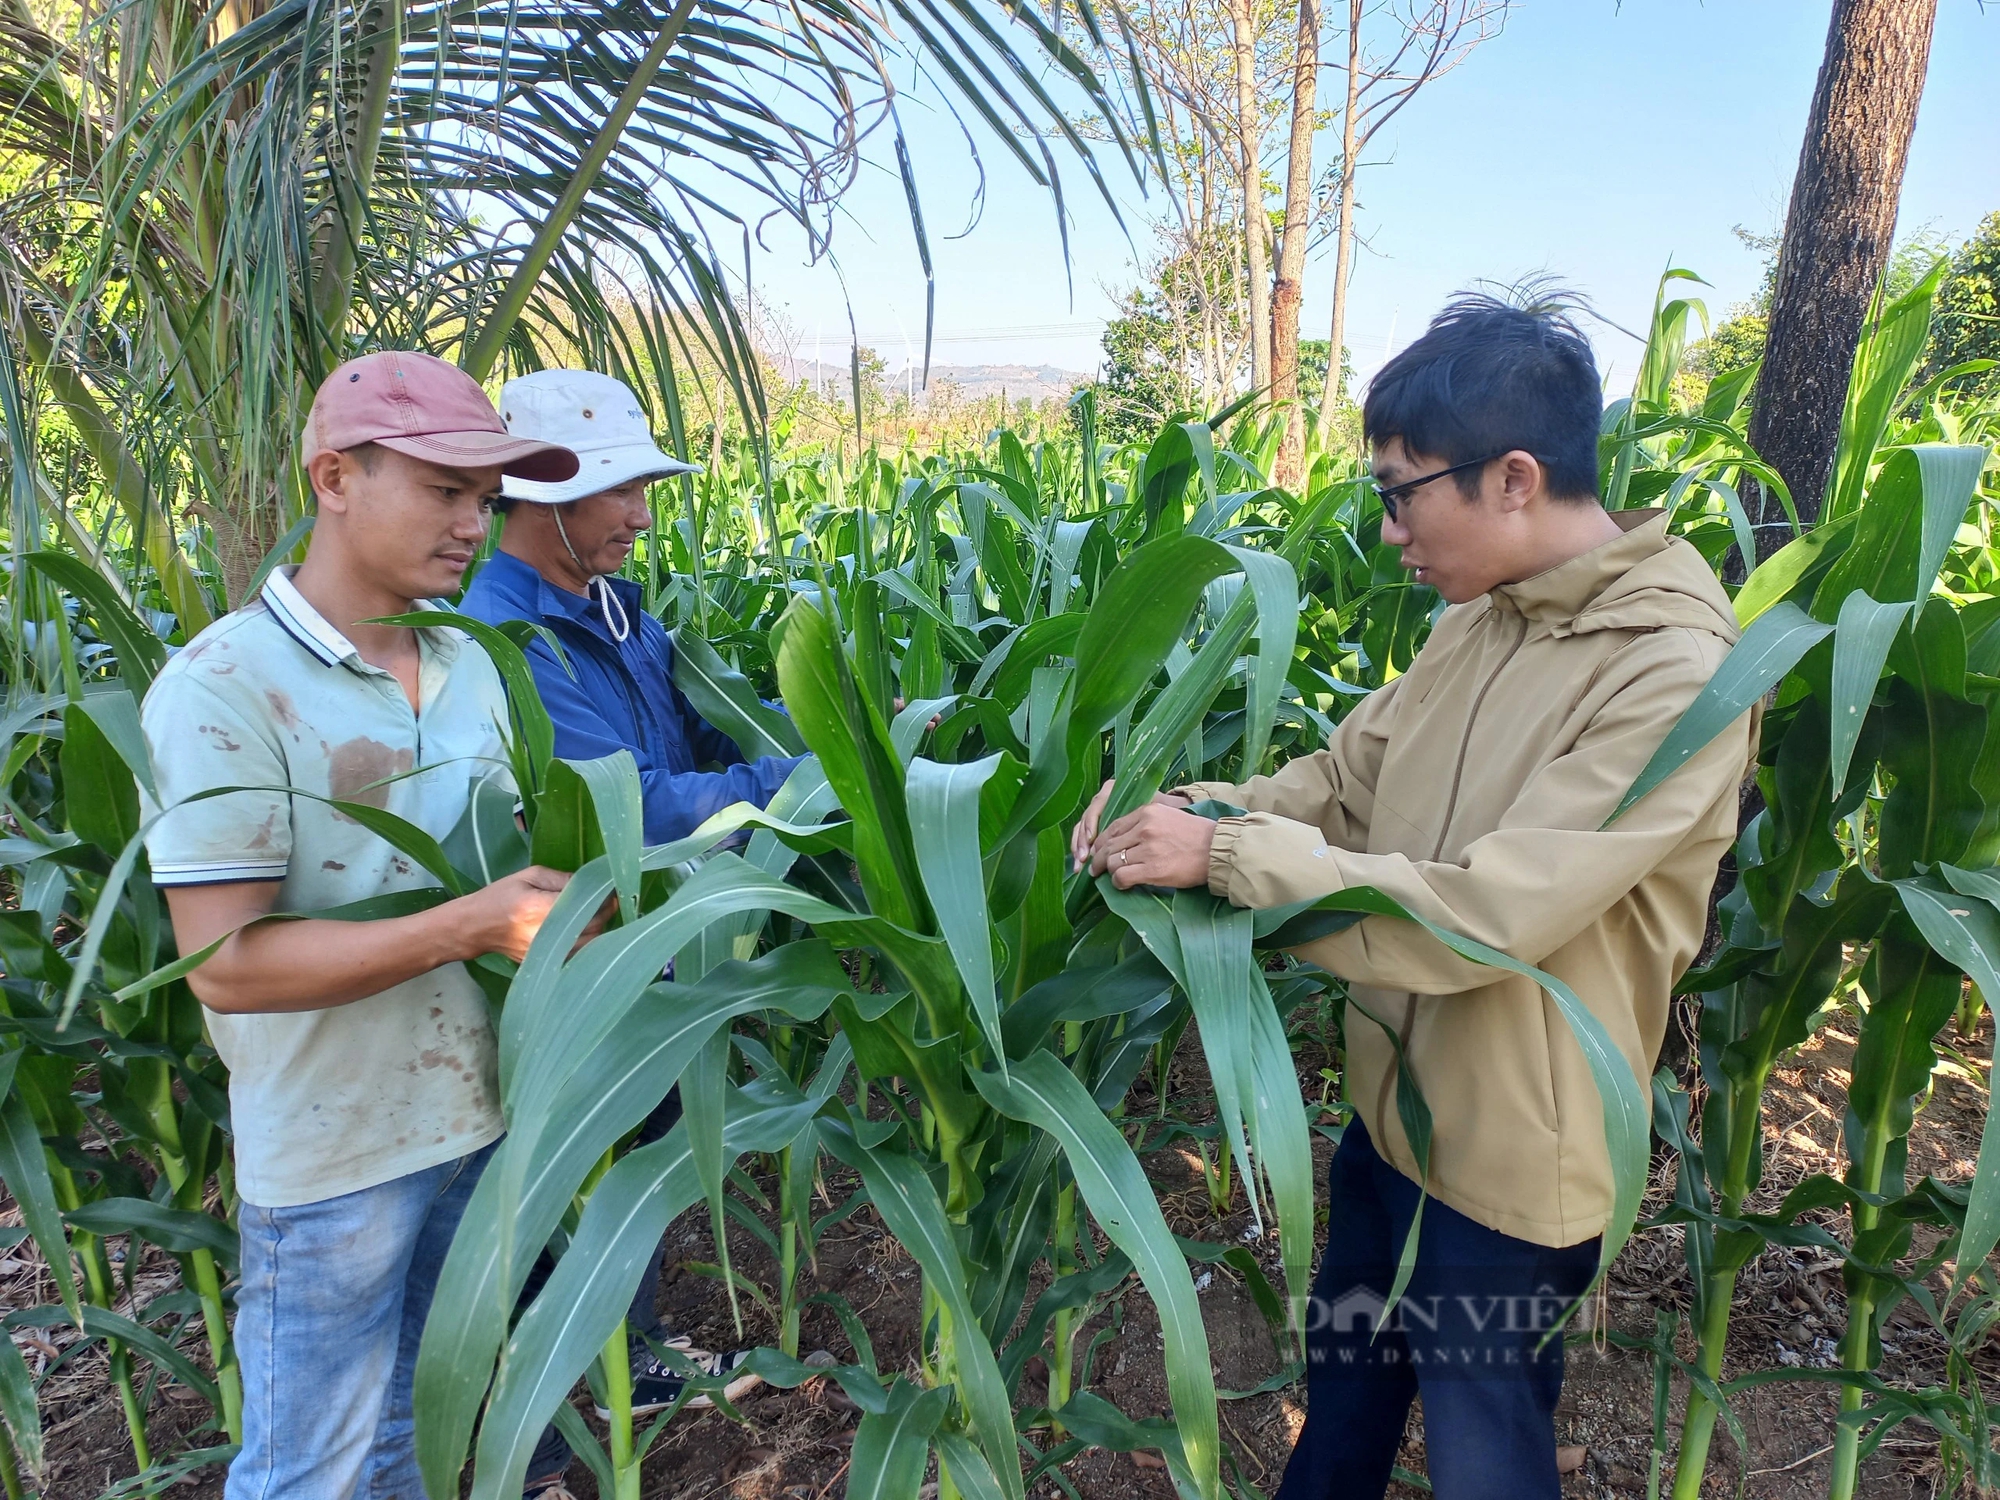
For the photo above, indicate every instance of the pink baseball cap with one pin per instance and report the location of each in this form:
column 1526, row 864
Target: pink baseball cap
column 420, row 405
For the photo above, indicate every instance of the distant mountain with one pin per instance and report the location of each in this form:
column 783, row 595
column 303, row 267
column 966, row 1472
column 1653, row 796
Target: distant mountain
column 969, row 382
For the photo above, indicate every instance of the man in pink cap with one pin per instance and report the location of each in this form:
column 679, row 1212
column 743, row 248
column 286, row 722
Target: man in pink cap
column 363, row 1092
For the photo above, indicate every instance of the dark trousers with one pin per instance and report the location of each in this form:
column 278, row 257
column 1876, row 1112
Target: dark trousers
column 1467, row 1333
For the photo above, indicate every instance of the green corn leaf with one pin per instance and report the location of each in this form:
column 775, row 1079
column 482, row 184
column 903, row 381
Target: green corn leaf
column 1009, row 1230
column 1622, row 1097
column 400, row 833
column 18, row 1409
column 1215, row 953
column 569, row 1009
column 910, row 1207
column 999, row 555
column 1135, row 623
column 1275, row 587
column 618, row 801
column 1065, row 553
column 25, row 1170
column 591, row 1289
column 406, row 837
column 1239, row 1259
column 584, row 1444
column 1181, row 450
column 102, row 1323
column 1174, row 717
column 1768, row 650
column 280, row 554
column 163, row 1472
column 487, row 843
column 893, row 1447
column 569, row 1006
column 1912, row 989
column 1931, row 746
column 1037, row 934
column 1103, row 1425
column 1284, row 1146
column 1949, row 479
column 802, row 801
column 102, row 799
column 1005, row 671
column 1965, row 929
column 21, row 710
column 1140, row 615
column 725, row 698
column 115, row 714
column 1150, row 913
column 861, row 1382
column 1045, row 1094
column 175, row 1230
column 1890, row 350
column 534, row 739
column 102, row 917
column 1779, row 575
column 566, row 832
column 1413, row 1112
column 527, row 1186
column 944, row 826
column 1861, row 639
column 532, row 1013
column 1078, row 994
column 1904, row 526
column 782, row 832
column 1732, row 504
column 1985, row 884
column 845, row 732
column 966, row 1465
column 963, row 643
column 703, row 1100
column 141, row 652
column 1771, row 1010
column 906, row 732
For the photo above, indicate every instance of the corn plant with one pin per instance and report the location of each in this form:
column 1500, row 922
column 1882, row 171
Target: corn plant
column 890, row 975
column 1010, row 1006
column 1868, row 865
column 94, row 999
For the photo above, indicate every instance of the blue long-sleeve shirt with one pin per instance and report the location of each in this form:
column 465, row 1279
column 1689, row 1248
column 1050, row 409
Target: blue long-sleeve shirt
column 622, row 697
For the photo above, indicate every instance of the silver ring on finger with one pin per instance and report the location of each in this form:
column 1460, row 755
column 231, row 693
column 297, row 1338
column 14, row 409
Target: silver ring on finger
column 1124, row 856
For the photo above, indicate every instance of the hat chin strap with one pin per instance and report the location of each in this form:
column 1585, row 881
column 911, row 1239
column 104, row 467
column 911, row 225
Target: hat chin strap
column 615, row 619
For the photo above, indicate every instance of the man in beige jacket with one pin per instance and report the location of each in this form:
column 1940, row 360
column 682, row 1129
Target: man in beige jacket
column 1474, row 790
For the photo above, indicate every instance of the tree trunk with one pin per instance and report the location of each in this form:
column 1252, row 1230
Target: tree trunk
column 1285, row 294
column 1256, row 226
column 1343, row 234
column 1838, row 233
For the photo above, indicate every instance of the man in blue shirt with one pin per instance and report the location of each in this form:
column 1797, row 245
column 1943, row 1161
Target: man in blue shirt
column 559, row 552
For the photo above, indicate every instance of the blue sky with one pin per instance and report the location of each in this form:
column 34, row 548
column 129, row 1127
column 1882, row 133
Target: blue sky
column 1594, row 140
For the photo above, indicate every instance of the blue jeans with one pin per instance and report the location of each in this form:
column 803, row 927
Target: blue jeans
column 329, row 1315
column 1468, row 1334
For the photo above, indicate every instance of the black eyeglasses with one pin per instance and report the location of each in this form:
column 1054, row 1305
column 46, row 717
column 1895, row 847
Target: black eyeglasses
column 1393, row 495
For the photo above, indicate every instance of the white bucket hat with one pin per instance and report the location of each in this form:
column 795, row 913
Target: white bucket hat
column 595, row 417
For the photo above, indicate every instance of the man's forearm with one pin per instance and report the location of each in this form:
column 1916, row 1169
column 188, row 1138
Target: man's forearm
column 281, row 966
column 313, row 964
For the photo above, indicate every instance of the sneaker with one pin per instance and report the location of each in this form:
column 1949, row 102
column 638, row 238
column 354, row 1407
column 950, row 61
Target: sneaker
column 656, row 1385
column 547, row 1468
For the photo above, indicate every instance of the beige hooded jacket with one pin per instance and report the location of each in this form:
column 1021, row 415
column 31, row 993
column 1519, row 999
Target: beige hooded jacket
column 1473, row 790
